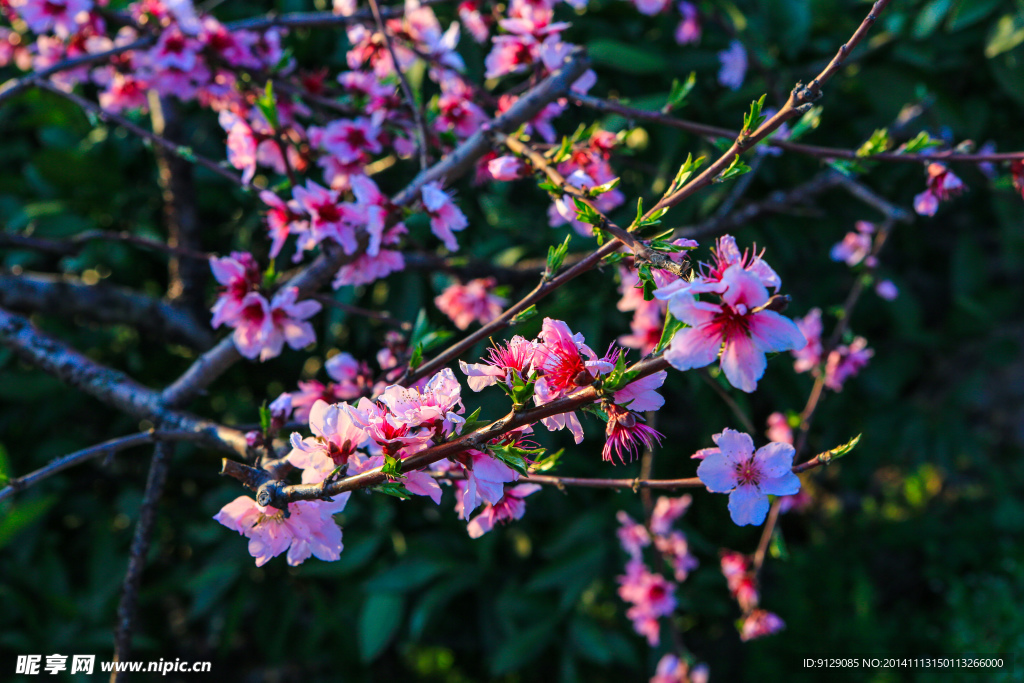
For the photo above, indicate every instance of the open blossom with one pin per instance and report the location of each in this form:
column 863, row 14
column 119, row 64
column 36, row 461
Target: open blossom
column 808, row 356
column 507, row 168
column 335, row 436
column 486, row 477
column 779, row 429
column 351, row 376
column 734, row 65
column 652, row 596
column 741, row 579
column 309, row 529
column 511, row 506
column 667, row 511
column 856, row 246
column 464, row 303
column 846, row 361
column 671, row 669
column 748, row 477
column 503, row 364
column 238, row 274
column 437, row 406
column 942, row 185
column 675, row 549
column 59, row 16
column 740, row 327
column 263, row 328
column 445, row 216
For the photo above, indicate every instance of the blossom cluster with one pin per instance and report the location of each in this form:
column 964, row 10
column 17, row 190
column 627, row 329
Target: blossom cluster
column 650, row 595
column 742, row 581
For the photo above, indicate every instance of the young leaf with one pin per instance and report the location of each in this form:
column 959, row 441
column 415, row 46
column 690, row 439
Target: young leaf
column 393, row 488
column 524, row 315
column 679, row 92
column 879, row 142
column 736, row 168
column 604, row 187
column 668, row 332
column 546, row 464
column 839, row 451
column 809, row 121
column 264, row 418
column 556, row 256
column 753, row 121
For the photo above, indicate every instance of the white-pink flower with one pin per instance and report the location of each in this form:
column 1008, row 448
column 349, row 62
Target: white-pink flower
column 748, row 477
column 309, row 529
column 511, row 506
column 445, row 216
column 473, row 301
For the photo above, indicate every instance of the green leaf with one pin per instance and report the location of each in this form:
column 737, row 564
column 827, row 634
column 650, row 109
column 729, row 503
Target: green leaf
column 472, row 421
column 379, row 619
column 523, row 315
column 839, row 451
column 685, row 171
column 393, row 488
column 556, row 256
column 921, row 142
column 809, row 121
column 268, row 105
column 513, row 456
column 270, row 276
column 21, row 516
column 778, row 546
column 564, row 150
column 604, row 187
column 736, row 168
column 668, row 332
column 586, row 213
column 755, row 118
column 876, row 144
column 677, row 96
column 1008, row 34
column 264, row 418
column 549, row 186
column 548, row 463
column 416, row 359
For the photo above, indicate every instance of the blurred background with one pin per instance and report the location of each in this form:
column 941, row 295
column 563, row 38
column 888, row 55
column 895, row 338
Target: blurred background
column 912, row 544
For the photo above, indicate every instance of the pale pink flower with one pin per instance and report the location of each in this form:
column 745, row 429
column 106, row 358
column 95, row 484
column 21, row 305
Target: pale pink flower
column 474, row 21
column 502, row 364
column 633, row 536
column 511, row 506
column 748, row 477
column 845, row 362
column 241, row 144
column 486, row 477
column 437, row 406
column 667, row 511
column 741, row 327
column 734, row 65
column 445, row 216
column 308, row 393
column 473, row 301
column 887, row 290
column 59, row 16
column 366, row 268
column 506, row 168
column 239, row 274
column 809, row 355
column 352, row 376
column 760, row 623
column 641, row 395
column 676, row 551
column 779, row 429
column 309, row 529
column 651, row 595
column 335, row 436
column 856, row 246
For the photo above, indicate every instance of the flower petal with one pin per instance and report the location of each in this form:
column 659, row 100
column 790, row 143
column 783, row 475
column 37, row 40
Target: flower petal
column 717, row 473
column 774, row 333
column 775, row 459
column 693, row 347
column 747, row 505
column 743, row 363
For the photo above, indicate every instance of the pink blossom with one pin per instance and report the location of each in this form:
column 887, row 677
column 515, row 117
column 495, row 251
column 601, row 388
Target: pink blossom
column 445, row 217
column 506, row 168
column 308, row 393
column 856, row 246
column 625, row 434
column 366, row 268
column 651, row 596
column 473, row 301
column 760, row 623
column 263, row 328
column 309, row 529
column 393, row 436
column 734, row 65
column 651, row 7
column 457, row 111
column 741, row 327
column 689, row 29
column 667, row 511
column 328, row 216
column 239, row 274
column 673, row 670
column 641, row 395
column 633, row 536
column 486, row 477
column 741, row 579
column 474, row 21
column 350, row 140
column 437, row 406
column 502, row 364
column 845, row 362
column 352, row 377
column 416, row 482
column 809, row 355
column 283, row 218
column 511, row 506
column 59, row 16
column 942, row 185
column 335, row 435
column 748, row 477
column 779, row 429
column 676, row 551
column 242, row 144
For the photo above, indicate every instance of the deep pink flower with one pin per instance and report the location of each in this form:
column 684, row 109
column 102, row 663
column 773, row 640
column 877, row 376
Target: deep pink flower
column 394, row 437
column 283, row 219
column 474, row 21
column 689, row 29
column 626, row 435
column 263, row 328
column 502, row 363
column 329, row 218
column 740, row 327
column 511, row 506
column 351, row 140
column 437, row 406
column 309, row 529
column 651, row 595
column 473, row 301
column 445, row 216
column 748, row 477
column 673, row 670
column 942, row 185
column 59, row 16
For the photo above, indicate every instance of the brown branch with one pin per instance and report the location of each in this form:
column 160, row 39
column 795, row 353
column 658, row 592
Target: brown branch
column 128, row 606
column 417, row 112
column 104, row 303
column 74, row 244
column 110, row 386
column 105, row 449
